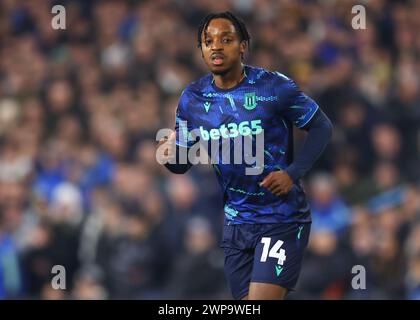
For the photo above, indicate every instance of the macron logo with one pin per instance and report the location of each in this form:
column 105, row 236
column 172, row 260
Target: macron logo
column 279, row 269
column 207, row 106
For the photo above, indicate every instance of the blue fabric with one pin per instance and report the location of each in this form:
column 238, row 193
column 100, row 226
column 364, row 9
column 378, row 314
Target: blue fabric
column 245, row 260
column 319, row 134
column 389, row 199
column 99, row 174
column 276, row 104
column 333, row 216
column 47, row 181
column 10, row 276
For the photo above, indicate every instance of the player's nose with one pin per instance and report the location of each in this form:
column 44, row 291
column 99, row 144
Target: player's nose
column 216, row 46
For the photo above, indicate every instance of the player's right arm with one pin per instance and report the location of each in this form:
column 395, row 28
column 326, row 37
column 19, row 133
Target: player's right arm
column 173, row 149
column 168, row 155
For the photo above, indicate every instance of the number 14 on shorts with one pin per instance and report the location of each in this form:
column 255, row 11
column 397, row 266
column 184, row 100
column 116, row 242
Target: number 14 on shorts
column 275, row 252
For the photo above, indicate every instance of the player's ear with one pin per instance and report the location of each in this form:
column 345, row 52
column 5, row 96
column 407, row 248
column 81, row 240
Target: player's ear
column 242, row 47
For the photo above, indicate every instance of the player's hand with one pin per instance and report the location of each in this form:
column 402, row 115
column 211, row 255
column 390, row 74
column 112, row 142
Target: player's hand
column 169, row 151
column 278, row 183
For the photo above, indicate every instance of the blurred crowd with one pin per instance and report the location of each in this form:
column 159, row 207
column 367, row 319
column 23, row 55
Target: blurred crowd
column 80, row 186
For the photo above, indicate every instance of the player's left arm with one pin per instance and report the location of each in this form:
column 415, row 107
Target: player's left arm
column 306, row 115
column 319, row 132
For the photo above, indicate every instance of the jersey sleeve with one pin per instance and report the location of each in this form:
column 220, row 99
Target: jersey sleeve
column 296, row 106
column 183, row 126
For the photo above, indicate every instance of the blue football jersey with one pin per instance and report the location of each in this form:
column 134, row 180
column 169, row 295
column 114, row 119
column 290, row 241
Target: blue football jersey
column 263, row 102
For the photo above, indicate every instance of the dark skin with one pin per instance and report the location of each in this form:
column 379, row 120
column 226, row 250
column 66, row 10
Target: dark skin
column 220, row 40
column 222, row 51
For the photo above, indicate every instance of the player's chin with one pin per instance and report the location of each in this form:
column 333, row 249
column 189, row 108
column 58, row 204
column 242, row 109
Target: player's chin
column 219, row 70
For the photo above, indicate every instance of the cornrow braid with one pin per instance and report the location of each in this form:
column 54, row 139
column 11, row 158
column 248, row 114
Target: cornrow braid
column 237, row 22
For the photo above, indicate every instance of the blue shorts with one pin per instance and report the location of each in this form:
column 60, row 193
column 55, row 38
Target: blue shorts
column 267, row 253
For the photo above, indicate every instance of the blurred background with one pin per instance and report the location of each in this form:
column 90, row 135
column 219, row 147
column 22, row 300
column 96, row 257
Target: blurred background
column 79, row 112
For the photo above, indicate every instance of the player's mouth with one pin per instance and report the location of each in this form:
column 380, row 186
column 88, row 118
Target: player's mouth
column 217, row 59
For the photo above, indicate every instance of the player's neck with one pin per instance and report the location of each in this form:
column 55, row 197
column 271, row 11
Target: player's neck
column 231, row 78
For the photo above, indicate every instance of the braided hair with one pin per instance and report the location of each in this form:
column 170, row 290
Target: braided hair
column 237, row 23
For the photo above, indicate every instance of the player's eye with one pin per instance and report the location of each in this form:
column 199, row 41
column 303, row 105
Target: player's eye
column 207, row 42
column 226, row 40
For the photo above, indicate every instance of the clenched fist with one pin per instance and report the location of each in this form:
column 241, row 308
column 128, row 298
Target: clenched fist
column 165, row 149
